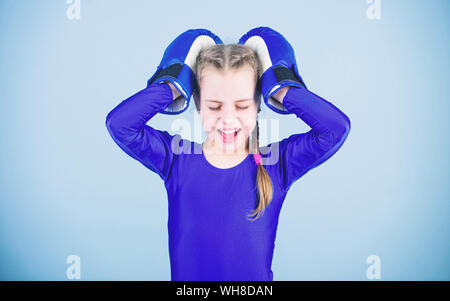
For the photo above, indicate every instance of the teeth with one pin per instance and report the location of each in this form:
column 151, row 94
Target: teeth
column 229, row 132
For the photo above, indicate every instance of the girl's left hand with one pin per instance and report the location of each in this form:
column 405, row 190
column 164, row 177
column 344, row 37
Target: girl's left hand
column 279, row 66
column 280, row 94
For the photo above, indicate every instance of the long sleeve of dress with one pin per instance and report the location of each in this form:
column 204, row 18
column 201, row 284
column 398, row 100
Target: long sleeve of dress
column 126, row 124
column 302, row 152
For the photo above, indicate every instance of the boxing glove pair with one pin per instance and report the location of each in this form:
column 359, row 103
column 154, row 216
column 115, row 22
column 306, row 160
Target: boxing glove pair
column 273, row 50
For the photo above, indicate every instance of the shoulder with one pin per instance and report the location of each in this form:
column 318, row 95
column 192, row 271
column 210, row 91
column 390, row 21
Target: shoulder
column 178, row 144
column 272, row 153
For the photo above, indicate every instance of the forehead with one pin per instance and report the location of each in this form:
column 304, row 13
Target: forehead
column 227, row 85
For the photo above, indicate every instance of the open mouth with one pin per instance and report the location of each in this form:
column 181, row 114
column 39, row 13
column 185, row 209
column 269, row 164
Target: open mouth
column 229, row 136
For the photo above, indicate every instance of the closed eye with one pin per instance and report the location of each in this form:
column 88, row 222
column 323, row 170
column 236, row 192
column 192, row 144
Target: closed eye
column 218, row 108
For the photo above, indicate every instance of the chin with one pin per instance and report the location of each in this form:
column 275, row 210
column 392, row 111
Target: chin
column 237, row 145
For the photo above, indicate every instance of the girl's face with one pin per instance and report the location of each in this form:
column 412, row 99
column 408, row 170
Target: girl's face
column 228, row 109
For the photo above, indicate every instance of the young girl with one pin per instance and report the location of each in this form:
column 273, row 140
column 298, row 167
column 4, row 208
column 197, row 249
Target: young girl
column 214, row 188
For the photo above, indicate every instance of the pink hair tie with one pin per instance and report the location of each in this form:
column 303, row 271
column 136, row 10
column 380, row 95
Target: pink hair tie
column 257, row 157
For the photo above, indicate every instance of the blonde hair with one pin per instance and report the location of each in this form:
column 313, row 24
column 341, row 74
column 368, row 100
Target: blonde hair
column 235, row 56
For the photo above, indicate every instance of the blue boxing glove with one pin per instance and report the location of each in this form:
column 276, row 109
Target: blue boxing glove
column 176, row 66
column 278, row 62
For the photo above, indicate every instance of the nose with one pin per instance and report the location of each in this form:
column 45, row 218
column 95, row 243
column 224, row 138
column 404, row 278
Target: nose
column 228, row 115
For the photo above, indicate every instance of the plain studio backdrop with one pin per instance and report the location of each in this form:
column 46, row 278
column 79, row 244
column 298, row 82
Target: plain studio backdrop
column 67, row 189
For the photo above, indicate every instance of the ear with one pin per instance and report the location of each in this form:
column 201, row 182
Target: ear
column 258, row 100
column 196, row 101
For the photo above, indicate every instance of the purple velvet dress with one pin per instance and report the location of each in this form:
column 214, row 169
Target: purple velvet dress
column 210, row 235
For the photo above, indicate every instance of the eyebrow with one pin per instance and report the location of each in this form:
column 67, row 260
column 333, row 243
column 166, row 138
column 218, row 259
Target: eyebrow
column 240, row 100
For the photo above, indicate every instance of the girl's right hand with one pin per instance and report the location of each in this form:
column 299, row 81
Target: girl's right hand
column 175, row 91
column 177, row 63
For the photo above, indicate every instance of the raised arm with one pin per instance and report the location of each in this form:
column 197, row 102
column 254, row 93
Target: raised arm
column 168, row 91
column 285, row 92
column 302, row 152
column 126, row 124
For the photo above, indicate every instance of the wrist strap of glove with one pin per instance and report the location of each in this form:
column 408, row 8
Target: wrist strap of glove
column 285, row 74
column 171, row 71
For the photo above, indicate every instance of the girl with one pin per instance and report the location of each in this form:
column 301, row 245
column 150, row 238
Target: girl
column 224, row 200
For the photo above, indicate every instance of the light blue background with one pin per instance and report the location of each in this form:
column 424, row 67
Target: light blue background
column 66, row 187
